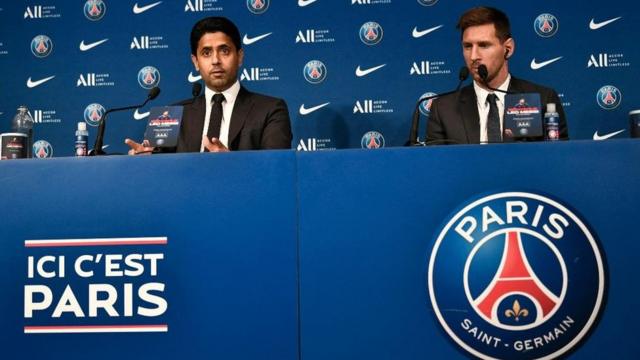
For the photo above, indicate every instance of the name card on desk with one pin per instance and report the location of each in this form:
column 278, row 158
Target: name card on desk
column 163, row 128
column 523, row 116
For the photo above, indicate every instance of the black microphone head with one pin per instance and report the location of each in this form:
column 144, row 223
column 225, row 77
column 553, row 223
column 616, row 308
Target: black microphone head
column 153, row 93
column 483, row 72
column 463, row 74
column 196, row 89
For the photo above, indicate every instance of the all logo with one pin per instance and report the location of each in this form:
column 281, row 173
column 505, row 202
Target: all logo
column 41, row 46
column 546, row 25
column 42, row 149
column 370, row 33
column 372, row 140
column 148, row 77
column 93, row 113
column 609, row 97
column 507, row 263
column 94, row 10
column 258, row 6
column 315, row 72
column 425, row 106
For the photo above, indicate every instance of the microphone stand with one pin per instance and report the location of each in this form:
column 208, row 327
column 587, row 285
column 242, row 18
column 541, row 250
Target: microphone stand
column 97, row 147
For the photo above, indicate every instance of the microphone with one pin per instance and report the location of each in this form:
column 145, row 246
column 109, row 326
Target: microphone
column 484, row 73
column 463, row 74
column 97, row 147
column 196, row 89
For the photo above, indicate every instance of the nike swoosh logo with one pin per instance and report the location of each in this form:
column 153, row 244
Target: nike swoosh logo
column 606, row 136
column 32, row 84
column 194, row 78
column 139, row 116
column 86, row 47
column 303, row 3
column 140, row 9
column 418, row 34
column 305, row 111
column 365, row 72
column 536, row 65
column 248, row 41
column 595, row 26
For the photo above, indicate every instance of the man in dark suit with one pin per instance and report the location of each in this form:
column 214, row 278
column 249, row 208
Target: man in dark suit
column 476, row 114
column 228, row 116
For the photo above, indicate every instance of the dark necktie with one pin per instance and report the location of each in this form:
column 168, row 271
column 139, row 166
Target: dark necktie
column 215, row 119
column 494, row 135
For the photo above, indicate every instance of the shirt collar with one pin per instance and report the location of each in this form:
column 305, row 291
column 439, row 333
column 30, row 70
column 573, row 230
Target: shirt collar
column 230, row 94
column 481, row 93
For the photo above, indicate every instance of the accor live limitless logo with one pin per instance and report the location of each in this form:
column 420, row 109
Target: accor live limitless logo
column 109, row 285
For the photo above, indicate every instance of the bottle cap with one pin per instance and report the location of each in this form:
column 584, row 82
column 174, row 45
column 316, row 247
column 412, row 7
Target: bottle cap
column 551, row 107
column 82, row 126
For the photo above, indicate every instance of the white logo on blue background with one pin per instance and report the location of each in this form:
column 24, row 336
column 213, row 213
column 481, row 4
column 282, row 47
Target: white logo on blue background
column 94, row 10
column 546, row 25
column 427, row 2
column 41, row 46
column 42, row 149
column 507, row 264
column 372, row 140
column 425, row 106
column 258, row 6
column 93, row 113
column 148, row 77
column 315, row 72
column 370, row 33
column 609, row 97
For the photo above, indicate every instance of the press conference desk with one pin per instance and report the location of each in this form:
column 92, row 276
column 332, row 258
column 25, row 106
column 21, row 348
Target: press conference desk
column 282, row 255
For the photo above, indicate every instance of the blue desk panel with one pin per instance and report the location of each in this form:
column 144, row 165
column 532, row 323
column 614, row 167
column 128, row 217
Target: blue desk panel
column 369, row 221
column 229, row 266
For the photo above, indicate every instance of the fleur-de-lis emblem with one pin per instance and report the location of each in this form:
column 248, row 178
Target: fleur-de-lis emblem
column 516, row 312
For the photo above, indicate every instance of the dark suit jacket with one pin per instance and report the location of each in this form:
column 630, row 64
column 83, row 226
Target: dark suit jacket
column 455, row 119
column 257, row 122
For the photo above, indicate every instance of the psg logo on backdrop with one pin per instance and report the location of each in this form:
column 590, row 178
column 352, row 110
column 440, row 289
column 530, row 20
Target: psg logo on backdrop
column 371, row 33
column 94, row 10
column 42, row 149
column 425, row 106
column 148, row 77
column 609, row 97
column 372, row 140
column 258, row 6
column 546, row 25
column 508, row 263
column 427, row 2
column 41, row 46
column 315, row 72
column 93, row 114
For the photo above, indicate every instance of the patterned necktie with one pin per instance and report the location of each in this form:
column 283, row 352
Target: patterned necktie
column 494, row 135
column 215, row 119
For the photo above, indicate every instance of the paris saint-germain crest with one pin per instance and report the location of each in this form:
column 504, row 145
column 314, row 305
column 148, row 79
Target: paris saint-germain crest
column 609, row 97
column 41, row 46
column 546, row 25
column 258, row 6
column 148, row 77
column 516, row 275
column 370, row 33
column 94, row 10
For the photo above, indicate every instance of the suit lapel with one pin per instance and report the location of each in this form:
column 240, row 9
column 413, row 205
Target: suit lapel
column 241, row 110
column 469, row 113
column 194, row 135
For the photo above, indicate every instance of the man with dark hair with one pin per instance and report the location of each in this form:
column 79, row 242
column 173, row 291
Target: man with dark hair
column 228, row 116
column 476, row 114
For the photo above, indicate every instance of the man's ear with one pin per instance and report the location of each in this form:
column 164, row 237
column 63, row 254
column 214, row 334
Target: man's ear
column 509, row 46
column 194, row 60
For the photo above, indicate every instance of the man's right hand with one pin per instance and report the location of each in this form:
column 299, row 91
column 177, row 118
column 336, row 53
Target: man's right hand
column 139, row 149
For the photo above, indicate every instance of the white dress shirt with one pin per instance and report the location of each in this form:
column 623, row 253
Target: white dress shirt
column 483, row 107
column 230, row 96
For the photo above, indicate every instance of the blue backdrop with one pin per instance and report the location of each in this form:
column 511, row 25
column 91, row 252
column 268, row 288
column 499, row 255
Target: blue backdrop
column 92, row 52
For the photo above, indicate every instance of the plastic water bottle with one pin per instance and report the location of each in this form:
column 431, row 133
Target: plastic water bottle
column 82, row 138
column 23, row 123
column 551, row 123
